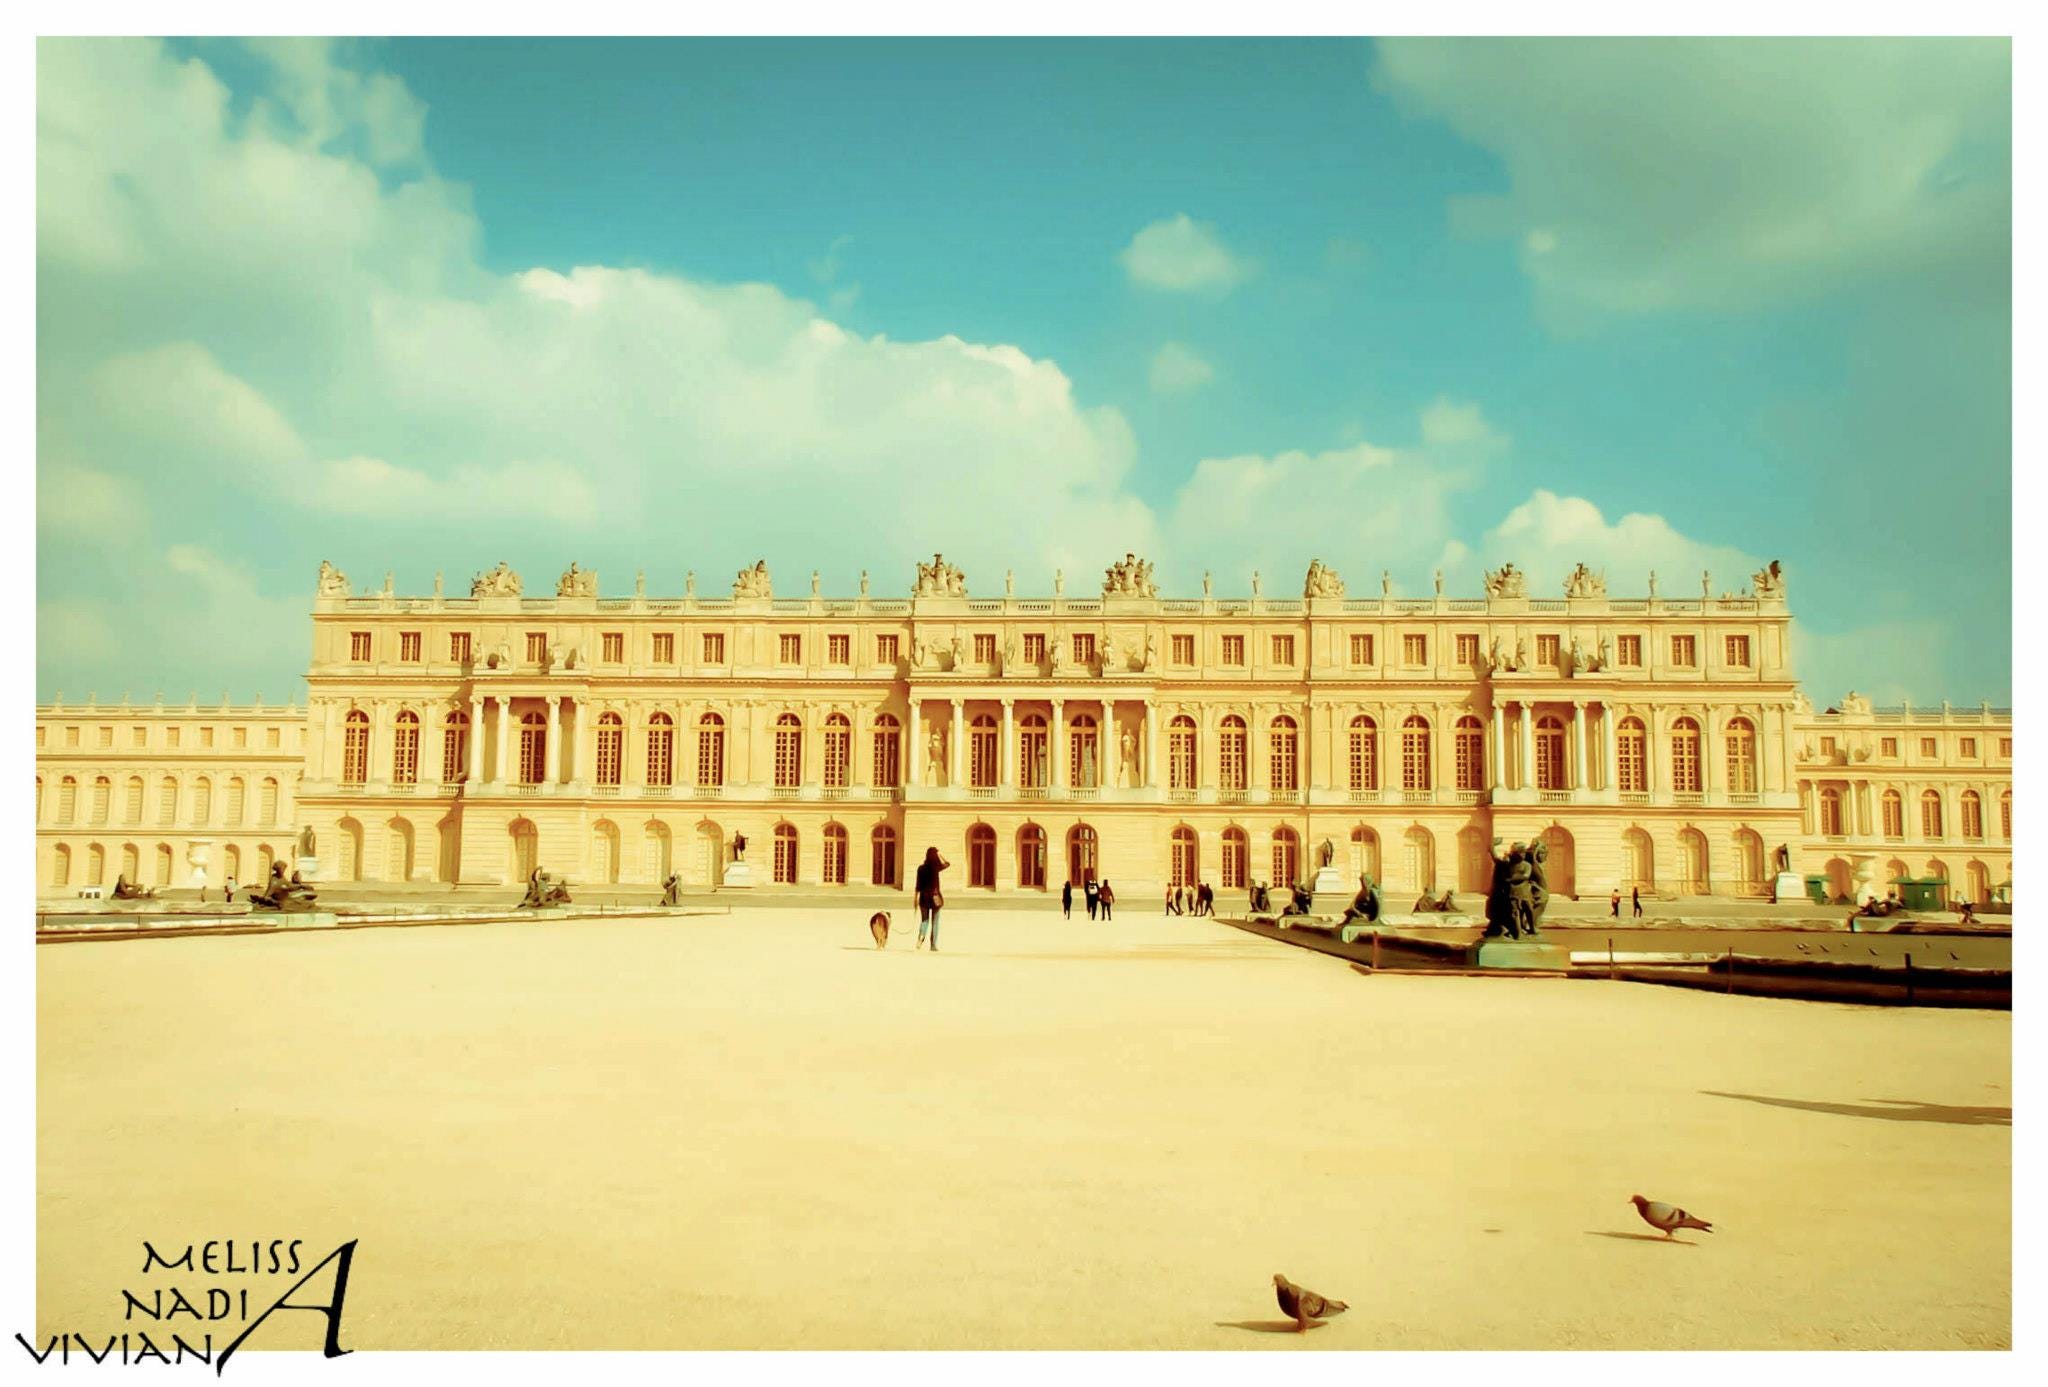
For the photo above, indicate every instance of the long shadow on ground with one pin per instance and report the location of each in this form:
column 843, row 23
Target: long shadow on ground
column 1890, row 1109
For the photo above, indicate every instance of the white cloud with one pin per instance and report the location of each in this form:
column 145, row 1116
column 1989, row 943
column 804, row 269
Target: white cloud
column 1176, row 368
column 79, row 505
column 1182, row 255
column 1446, row 423
column 1547, row 535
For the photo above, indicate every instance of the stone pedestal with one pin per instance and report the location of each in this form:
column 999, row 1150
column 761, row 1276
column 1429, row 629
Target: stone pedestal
column 739, row 876
column 1789, row 886
column 1329, row 883
column 308, row 867
column 1524, row 953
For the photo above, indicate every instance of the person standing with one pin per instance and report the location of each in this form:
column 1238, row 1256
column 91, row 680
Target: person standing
column 1108, row 898
column 1635, row 901
column 1614, row 903
column 231, row 888
column 929, row 897
column 1094, row 898
column 1067, row 901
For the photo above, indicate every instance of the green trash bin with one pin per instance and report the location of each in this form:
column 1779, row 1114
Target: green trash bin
column 1920, row 893
column 1817, row 890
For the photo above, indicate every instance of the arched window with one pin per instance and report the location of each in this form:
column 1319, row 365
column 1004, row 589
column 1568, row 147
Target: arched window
column 1741, row 740
column 1365, row 754
column 1749, row 861
column 1973, row 815
column 1034, row 771
column 1283, row 741
column 1230, row 746
column 1236, row 858
column 1693, row 873
column 888, row 771
column 533, row 748
column 1930, row 814
column 39, row 799
column 1084, row 745
column 789, row 753
column 1894, row 814
column 785, row 854
column 95, row 865
column 983, row 745
column 661, row 750
column 882, row 866
column 1550, row 753
column 835, row 854
column 355, row 748
column 1181, row 753
column 102, row 792
column 1186, row 860
column 167, row 801
column 838, row 751
column 1830, row 812
column 1031, row 857
column 163, row 865
column 1286, row 857
column 1632, row 757
column 67, row 800
column 405, row 749
column 2005, row 815
column 60, row 870
column 238, row 800
column 710, row 751
column 1415, row 754
column 202, row 802
column 611, row 748
column 131, row 863
column 1082, row 862
column 455, row 748
column 981, row 856
column 132, row 801
column 266, row 803
column 1471, row 754
column 1685, row 756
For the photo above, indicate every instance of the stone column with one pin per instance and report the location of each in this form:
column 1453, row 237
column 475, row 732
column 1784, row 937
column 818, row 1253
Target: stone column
column 1528, row 750
column 1059, row 742
column 1152, row 776
column 1579, row 741
column 476, row 738
column 505, row 731
column 913, row 763
column 554, row 749
column 329, row 747
column 953, row 740
column 1707, row 743
column 1497, row 750
column 1006, row 762
column 1610, row 728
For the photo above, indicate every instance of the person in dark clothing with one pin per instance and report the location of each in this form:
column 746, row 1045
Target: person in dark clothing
column 1067, row 901
column 1635, row 900
column 1107, row 898
column 1173, row 900
column 1205, row 899
column 1088, row 889
column 1614, row 903
column 929, row 897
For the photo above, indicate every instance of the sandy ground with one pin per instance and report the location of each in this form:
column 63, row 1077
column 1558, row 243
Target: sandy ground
column 758, row 1131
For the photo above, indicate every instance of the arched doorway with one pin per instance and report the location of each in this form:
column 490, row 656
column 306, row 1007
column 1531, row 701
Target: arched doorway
column 1419, row 851
column 785, row 854
column 711, row 853
column 398, row 851
column 1365, row 852
column 833, row 869
column 449, row 856
column 1083, row 862
column 604, row 853
column 1749, row 862
column 1185, row 859
column 1840, row 882
column 348, row 851
column 1237, row 855
column 1475, row 861
column 523, row 844
column 1286, row 857
column 1977, row 879
column 1692, row 862
column 882, row 859
column 981, row 857
column 1031, row 857
column 658, row 851
column 1938, row 870
column 1561, row 862
column 1638, row 861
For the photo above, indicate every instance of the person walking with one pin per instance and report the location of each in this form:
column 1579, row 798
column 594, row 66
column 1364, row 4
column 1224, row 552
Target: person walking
column 929, row 897
column 1108, row 898
column 1171, row 903
column 1094, row 898
column 1067, row 901
column 1635, row 900
column 231, row 888
column 1614, row 903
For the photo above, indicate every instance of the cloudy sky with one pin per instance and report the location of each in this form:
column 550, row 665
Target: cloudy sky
column 1404, row 306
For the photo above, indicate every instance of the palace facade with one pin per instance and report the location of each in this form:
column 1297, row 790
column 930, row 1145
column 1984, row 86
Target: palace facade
column 1656, row 740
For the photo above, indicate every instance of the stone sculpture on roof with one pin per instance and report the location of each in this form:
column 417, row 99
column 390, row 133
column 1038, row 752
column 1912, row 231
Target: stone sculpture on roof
column 1131, row 578
column 577, row 582
column 499, row 582
column 753, row 582
column 1584, row 582
column 1507, row 581
column 1322, row 581
column 939, row 579
column 1770, row 581
column 333, row 582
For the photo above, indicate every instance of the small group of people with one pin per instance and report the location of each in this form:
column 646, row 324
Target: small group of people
column 1191, row 900
column 1635, row 902
column 1097, row 896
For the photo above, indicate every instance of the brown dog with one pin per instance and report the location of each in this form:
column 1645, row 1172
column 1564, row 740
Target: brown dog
column 878, row 925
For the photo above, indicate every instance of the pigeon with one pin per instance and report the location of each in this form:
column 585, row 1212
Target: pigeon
column 1667, row 1218
column 1304, row 1304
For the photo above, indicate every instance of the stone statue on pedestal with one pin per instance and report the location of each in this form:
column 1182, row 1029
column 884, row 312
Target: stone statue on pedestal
column 1127, row 766
column 499, row 582
column 935, row 757
column 333, row 582
column 753, row 582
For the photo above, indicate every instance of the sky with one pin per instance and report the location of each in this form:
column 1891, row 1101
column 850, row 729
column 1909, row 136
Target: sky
column 1417, row 305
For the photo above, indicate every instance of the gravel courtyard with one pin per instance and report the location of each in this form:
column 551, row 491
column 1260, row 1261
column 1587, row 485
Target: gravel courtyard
column 756, row 1130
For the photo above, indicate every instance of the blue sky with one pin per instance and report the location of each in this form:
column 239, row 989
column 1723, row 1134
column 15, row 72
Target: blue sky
column 681, row 304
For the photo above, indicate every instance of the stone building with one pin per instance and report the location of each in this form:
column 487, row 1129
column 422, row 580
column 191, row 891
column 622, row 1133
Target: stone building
column 1658, row 740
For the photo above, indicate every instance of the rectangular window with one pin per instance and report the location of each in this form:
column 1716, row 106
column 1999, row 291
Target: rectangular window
column 1888, row 746
column 714, row 647
column 1415, row 649
column 1183, row 650
column 1927, row 747
column 1738, row 652
column 1468, row 649
column 139, row 737
column 241, row 736
column 985, row 651
column 612, row 647
column 171, row 736
column 359, row 646
column 1969, row 748
column 206, row 736
column 1628, row 652
column 1546, row 650
column 1361, row 648
column 790, row 651
column 536, row 647
column 1684, row 653
column 1233, row 650
column 42, row 736
column 2005, row 747
column 1827, row 746
column 1084, row 647
column 838, row 650
column 885, row 652
column 409, row 647
column 664, row 647
column 270, row 738
column 458, row 647
column 1034, row 648
column 1283, row 650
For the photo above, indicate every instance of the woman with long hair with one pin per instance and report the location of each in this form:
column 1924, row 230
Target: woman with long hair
column 929, row 898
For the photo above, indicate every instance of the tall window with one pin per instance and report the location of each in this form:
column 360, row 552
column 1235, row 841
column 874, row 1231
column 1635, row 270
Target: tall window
column 1361, row 648
column 1549, row 754
column 132, row 801
column 1286, row 857
column 981, row 856
column 1283, row 650
column 266, row 805
column 1741, row 757
column 458, row 647
column 1230, row 747
column 2005, row 815
column 1034, row 648
column 405, row 748
column 1546, row 649
column 536, row 647
column 790, row 651
column 611, row 748
column 785, row 854
column 985, row 654
column 355, row 747
column 1284, row 760
column 612, row 647
column 1737, row 650
column 1973, row 815
column 1084, row 647
column 1930, row 815
column 983, row 745
column 1471, row 754
column 1415, row 649
column 885, row 650
column 1236, row 857
column 1894, row 810
column 664, row 647
column 359, row 646
column 838, row 751
column 1031, row 857
column 714, row 648
column 533, row 748
column 839, row 650
column 1183, row 650
column 1185, row 862
column 1628, row 652
column 202, row 801
column 1083, row 746
column 1684, row 652
column 1034, row 771
column 1685, row 756
column 888, row 743
column 238, row 801
column 1415, row 754
column 102, row 792
column 1180, row 753
column 409, row 647
column 882, row 859
column 1468, row 648
column 166, row 801
column 1831, row 812
column 789, row 753
column 1233, row 650
column 661, row 750
column 67, row 800
column 455, row 748
column 1632, row 756
column 1365, row 754
column 835, row 854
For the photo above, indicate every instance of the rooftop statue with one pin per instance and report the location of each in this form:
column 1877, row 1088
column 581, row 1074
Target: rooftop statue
column 499, row 582
column 1322, row 581
column 1584, row 582
column 753, row 582
column 1769, row 582
column 577, row 582
column 333, row 582
column 939, row 579
column 1131, row 578
column 1507, row 581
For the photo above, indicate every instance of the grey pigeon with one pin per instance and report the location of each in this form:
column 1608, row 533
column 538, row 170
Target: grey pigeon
column 1303, row 1304
column 1667, row 1218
